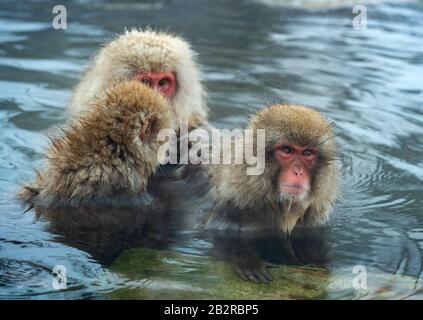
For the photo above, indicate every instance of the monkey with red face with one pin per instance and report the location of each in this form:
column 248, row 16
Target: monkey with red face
column 144, row 81
column 98, row 172
column 297, row 189
column 300, row 181
column 162, row 61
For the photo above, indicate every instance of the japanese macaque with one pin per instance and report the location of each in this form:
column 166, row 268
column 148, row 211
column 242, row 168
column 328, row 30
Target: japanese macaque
column 300, row 181
column 93, row 189
column 160, row 60
column 108, row 154
column 298, row 187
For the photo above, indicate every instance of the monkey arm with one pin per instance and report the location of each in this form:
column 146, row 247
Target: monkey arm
column 242, row 258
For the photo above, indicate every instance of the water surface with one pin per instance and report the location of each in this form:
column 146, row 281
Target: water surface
column 253, row 53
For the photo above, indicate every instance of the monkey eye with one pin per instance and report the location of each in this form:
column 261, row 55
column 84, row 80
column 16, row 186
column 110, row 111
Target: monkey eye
column 145, row 81
column 286, row 149
column 163, row 82
column 307, row 153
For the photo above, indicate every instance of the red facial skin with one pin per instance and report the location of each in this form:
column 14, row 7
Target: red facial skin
column 296, row 163
column 164, row 82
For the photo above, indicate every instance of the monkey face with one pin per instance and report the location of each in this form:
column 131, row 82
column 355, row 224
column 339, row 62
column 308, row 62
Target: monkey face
column 301, row 179
column 163, row 61
column 163, row 82
column 296, row 164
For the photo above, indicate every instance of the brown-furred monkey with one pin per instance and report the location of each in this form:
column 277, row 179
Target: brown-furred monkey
column 297, row 189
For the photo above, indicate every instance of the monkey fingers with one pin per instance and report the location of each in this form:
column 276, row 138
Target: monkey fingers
column 257, row 272
column 257, row 276
column 148, row 124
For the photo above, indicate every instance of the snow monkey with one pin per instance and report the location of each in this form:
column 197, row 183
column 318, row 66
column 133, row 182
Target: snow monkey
column 298, row 187
column 107, row 154
column 160, row 60
column 300, row 181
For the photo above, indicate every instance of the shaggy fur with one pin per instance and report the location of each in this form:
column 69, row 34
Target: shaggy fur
column 110, row 152
column 257, row 199
column 146, row 51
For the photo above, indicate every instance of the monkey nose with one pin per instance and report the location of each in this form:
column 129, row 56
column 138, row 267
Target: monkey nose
column 164, row 82
column 298, row 171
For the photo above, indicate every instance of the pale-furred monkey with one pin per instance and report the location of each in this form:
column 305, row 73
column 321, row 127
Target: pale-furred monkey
column 298, row 187
column 82, row 166
column 161, row 60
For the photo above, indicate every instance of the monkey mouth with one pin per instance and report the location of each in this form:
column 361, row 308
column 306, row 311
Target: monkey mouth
column 297, row 190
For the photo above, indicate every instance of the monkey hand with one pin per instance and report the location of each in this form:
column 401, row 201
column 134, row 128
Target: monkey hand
column 242, row 258
column 251, row 268
column 133, row 105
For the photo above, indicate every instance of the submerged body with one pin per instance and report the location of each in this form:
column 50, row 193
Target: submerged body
column 298, row 186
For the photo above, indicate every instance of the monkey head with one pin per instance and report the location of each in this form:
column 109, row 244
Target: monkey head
column 160, row 60
column 129, row 117
column 108, row 152
column 299, row 144
column 300, row 179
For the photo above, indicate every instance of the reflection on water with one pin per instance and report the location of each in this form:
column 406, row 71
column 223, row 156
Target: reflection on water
column 369, row 82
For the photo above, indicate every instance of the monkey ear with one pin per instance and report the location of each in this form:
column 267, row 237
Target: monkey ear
column 150, row 126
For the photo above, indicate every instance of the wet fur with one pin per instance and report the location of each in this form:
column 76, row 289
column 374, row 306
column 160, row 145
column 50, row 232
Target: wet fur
column 146, row 50
column 256, row 200
column 101, row 158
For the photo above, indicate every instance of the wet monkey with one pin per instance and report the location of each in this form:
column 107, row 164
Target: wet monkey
column 298, row 187
column 98, row 171
column 144, row 81
column 107, row 155
column 300, row 180
column 160, row 60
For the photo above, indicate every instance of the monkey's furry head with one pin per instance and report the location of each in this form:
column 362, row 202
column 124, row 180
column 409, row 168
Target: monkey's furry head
column 129, row 117
column 254, row 195
column 119, row 129
column 109, row 151
column 146, row 50
column 295, row 123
